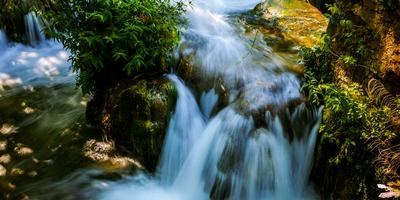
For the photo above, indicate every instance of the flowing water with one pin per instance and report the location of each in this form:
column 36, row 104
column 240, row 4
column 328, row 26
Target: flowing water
column 41, row 112
column 258, row 145
column 232, row 154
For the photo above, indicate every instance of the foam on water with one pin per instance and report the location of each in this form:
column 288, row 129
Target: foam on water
column 184, row 129
column 44, row 62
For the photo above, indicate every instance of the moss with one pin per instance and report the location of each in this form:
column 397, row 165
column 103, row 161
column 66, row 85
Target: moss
column 139, row 113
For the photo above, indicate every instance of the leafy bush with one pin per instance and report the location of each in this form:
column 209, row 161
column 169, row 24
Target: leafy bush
column 114, row 39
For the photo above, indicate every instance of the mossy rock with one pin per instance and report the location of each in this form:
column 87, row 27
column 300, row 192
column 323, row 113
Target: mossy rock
column 136, row 115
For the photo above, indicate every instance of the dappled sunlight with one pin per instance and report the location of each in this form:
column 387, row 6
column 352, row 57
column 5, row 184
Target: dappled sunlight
column 39, row 134
column 298, row 21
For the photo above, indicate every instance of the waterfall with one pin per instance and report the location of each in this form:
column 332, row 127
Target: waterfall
column 34, row 30
column 186, row 125
column 3, row 40
column 257, row 146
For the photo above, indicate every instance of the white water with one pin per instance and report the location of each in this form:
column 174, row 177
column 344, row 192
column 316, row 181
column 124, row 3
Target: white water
column 27, row 66
column 34, row 30
column 184, row 129
column 228, row 156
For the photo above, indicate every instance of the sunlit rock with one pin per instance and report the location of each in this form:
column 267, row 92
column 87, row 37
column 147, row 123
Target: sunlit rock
column 7, row 129
column 3, row 145
column 105, row 153
column 48, row 162
column 17, row 171
column 22, row 150
column 3, row 170
column 98, row 150
column 29, row 110
column 32, row 173
column 5, row 159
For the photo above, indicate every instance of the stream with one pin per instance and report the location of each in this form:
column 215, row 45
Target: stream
column 259, row 145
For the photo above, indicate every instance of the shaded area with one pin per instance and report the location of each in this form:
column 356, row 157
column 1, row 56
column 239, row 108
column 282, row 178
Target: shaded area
column 39, row 136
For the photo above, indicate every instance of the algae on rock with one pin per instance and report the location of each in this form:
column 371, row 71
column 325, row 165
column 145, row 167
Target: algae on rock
column 136, row 116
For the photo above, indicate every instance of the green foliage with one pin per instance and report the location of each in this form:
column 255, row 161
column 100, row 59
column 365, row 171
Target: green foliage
column 348, row 60
column 390, row 5
column 112, row 39
column 349, row 121
column 350, row 39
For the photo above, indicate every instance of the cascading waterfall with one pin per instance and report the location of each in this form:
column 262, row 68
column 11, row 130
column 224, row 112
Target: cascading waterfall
column 186, row 125
column 246, row 150
column 3, row 40
column 34, row 30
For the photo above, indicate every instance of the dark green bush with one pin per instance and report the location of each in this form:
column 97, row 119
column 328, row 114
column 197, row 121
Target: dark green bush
column 114, row 39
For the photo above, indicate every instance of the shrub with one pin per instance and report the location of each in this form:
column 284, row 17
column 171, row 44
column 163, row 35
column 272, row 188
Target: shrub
column 350, row 127
column 114, row 39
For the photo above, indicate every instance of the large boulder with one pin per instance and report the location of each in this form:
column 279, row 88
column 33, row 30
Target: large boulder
column 135, row 114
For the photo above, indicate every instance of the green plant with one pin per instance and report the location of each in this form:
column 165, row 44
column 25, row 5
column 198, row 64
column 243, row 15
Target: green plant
column 114, row 39
column 390, row 5
column 349, row 124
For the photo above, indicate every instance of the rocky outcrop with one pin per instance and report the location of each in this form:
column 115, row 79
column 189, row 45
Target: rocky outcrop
column 135, row 114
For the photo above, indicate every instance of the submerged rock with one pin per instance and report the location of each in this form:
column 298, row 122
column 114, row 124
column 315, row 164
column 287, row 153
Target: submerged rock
column 135, row 114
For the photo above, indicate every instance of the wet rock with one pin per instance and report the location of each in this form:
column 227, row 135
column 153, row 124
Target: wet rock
column 3, row 145
column 135, row 114
column 104, row 152
column 5, row 159
column 98, row 151
column 22, row 150
column 17, row 171
column 8, row 129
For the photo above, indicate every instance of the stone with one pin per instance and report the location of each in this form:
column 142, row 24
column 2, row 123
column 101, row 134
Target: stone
column 135, row 114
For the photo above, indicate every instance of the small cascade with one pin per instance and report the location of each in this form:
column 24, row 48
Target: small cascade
column 184, row 129
column 34, row 30
column 3, row 40
column 270, row 165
